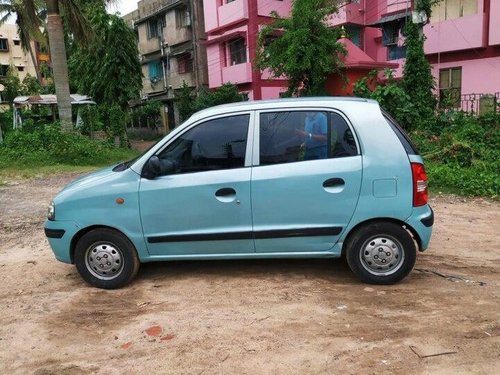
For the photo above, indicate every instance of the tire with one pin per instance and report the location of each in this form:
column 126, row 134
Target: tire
column 381, row 253
column 106, row 259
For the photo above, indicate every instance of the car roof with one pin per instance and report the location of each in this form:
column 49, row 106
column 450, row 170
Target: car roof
column 326, row 101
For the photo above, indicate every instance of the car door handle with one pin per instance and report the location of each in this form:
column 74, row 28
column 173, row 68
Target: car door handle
column 224, row 192
column 225, row 195
column 333, row 182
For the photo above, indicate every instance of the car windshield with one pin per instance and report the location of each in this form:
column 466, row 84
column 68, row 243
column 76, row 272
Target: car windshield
column 126, row 164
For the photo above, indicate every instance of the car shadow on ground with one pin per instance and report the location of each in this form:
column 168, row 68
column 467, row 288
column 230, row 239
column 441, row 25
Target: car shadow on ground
column 331, row 269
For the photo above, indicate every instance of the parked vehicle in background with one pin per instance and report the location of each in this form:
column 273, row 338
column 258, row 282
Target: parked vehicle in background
column 289, row 178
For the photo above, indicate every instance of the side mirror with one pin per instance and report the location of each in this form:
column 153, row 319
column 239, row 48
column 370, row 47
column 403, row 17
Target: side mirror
column 155, row 167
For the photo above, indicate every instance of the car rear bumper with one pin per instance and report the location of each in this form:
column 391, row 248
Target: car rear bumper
column 422, row 221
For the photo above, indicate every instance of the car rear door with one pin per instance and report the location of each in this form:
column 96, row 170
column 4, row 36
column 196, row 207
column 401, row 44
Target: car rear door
column 302, row 199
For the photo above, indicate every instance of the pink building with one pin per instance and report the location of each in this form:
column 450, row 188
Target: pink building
column 463, row 41
column 232, row 28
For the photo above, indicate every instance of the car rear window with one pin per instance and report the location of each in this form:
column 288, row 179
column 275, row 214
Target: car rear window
column 402, row 136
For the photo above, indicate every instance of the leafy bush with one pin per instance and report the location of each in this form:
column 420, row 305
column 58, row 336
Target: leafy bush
column 462, row 155
column 111, row 119
column 390, row 95
column 188, row 102
column 48, row 145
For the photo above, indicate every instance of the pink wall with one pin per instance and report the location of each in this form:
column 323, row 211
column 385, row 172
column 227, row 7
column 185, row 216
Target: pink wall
column 210, row 14
column 372, row 42
column 455, row 35
column 272, row 92
column 477, row 75
column 350, row 13
column 233, row 11
column 397, row 5
column 215, row 58
column 214, row 62
column 374, row 10
column 265, row 7
column 220, row 15
column 494, row 22
column 240, row 73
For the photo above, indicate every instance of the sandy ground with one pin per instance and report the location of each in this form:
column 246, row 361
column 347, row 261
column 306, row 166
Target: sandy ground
column 258, row 317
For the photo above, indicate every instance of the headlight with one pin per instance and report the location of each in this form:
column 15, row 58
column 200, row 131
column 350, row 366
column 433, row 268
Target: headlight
column 51, row 212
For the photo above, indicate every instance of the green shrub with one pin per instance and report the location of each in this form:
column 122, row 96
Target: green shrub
column 48, row 145
column 462, row 155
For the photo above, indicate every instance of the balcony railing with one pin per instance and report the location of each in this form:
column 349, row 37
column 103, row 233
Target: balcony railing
column 479, row 104
column 475, row 104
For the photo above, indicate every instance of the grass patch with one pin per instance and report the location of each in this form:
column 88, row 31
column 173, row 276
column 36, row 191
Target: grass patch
column 48, row 150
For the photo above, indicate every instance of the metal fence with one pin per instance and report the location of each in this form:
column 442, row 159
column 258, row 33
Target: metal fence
column 479, row 104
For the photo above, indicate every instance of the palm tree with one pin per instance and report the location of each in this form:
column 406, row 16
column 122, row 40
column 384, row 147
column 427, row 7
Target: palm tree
column 27, row 25
column 80, row 29
column 76, row 23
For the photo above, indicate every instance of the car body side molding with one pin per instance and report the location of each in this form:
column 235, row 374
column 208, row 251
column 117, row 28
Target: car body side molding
column 279, row 233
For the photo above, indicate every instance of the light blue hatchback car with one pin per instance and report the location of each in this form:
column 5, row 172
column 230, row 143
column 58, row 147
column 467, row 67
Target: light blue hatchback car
column 290, row 178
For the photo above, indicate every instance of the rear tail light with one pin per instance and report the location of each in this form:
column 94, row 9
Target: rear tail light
column 420, row 192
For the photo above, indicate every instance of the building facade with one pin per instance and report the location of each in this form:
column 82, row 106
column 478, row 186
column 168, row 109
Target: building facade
column 463, row 42
column 232, row 28
column 11, row 53
column 171, row 39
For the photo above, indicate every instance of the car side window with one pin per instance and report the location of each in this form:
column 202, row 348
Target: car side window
column 292, row 136
column 212, row 145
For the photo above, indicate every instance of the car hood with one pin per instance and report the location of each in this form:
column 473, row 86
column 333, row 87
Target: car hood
column 89, row 179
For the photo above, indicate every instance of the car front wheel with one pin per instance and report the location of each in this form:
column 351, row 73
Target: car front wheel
column 106, row 259
column 381, row 253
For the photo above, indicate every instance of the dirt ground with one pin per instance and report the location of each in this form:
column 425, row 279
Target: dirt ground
column 257, row 317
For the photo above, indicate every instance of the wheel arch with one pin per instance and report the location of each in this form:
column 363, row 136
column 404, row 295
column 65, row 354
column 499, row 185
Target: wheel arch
column 369, row 222
column 84, row 231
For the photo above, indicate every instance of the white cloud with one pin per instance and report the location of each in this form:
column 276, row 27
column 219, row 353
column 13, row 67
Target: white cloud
column 123, row 6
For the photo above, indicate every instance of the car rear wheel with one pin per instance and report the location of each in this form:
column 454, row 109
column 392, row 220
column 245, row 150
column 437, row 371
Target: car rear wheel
column 106, row 259
column 381, row 253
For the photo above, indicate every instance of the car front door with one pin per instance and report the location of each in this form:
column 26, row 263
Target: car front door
column 306, row 184
column 200, row 204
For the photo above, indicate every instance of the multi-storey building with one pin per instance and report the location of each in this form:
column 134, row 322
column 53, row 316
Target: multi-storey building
column 172, row 50
column 11, row 53
column 463, row 42
column 232, row 27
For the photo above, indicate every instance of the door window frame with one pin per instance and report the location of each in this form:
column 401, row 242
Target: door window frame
column 249, row 145
column 328, row 110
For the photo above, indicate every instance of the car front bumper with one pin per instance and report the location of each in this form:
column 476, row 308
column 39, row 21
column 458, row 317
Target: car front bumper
column 59, row 235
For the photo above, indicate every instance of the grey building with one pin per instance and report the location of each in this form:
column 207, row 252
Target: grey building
column 172, row 47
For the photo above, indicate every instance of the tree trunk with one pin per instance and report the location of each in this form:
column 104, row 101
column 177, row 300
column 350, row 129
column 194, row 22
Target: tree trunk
column 35, row 64
column 59, row 63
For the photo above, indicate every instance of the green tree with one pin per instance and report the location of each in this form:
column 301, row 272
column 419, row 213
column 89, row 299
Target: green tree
column 418, row 81
column 227, row 93
column 75, row 22
column 12, row 85
column 184, row 99
column 390, row 96
column 30, row 86
column 109, row 69
column 302, row 48
column 189, row 102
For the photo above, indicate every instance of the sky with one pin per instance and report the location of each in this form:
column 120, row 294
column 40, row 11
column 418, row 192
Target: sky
column 123, row 6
